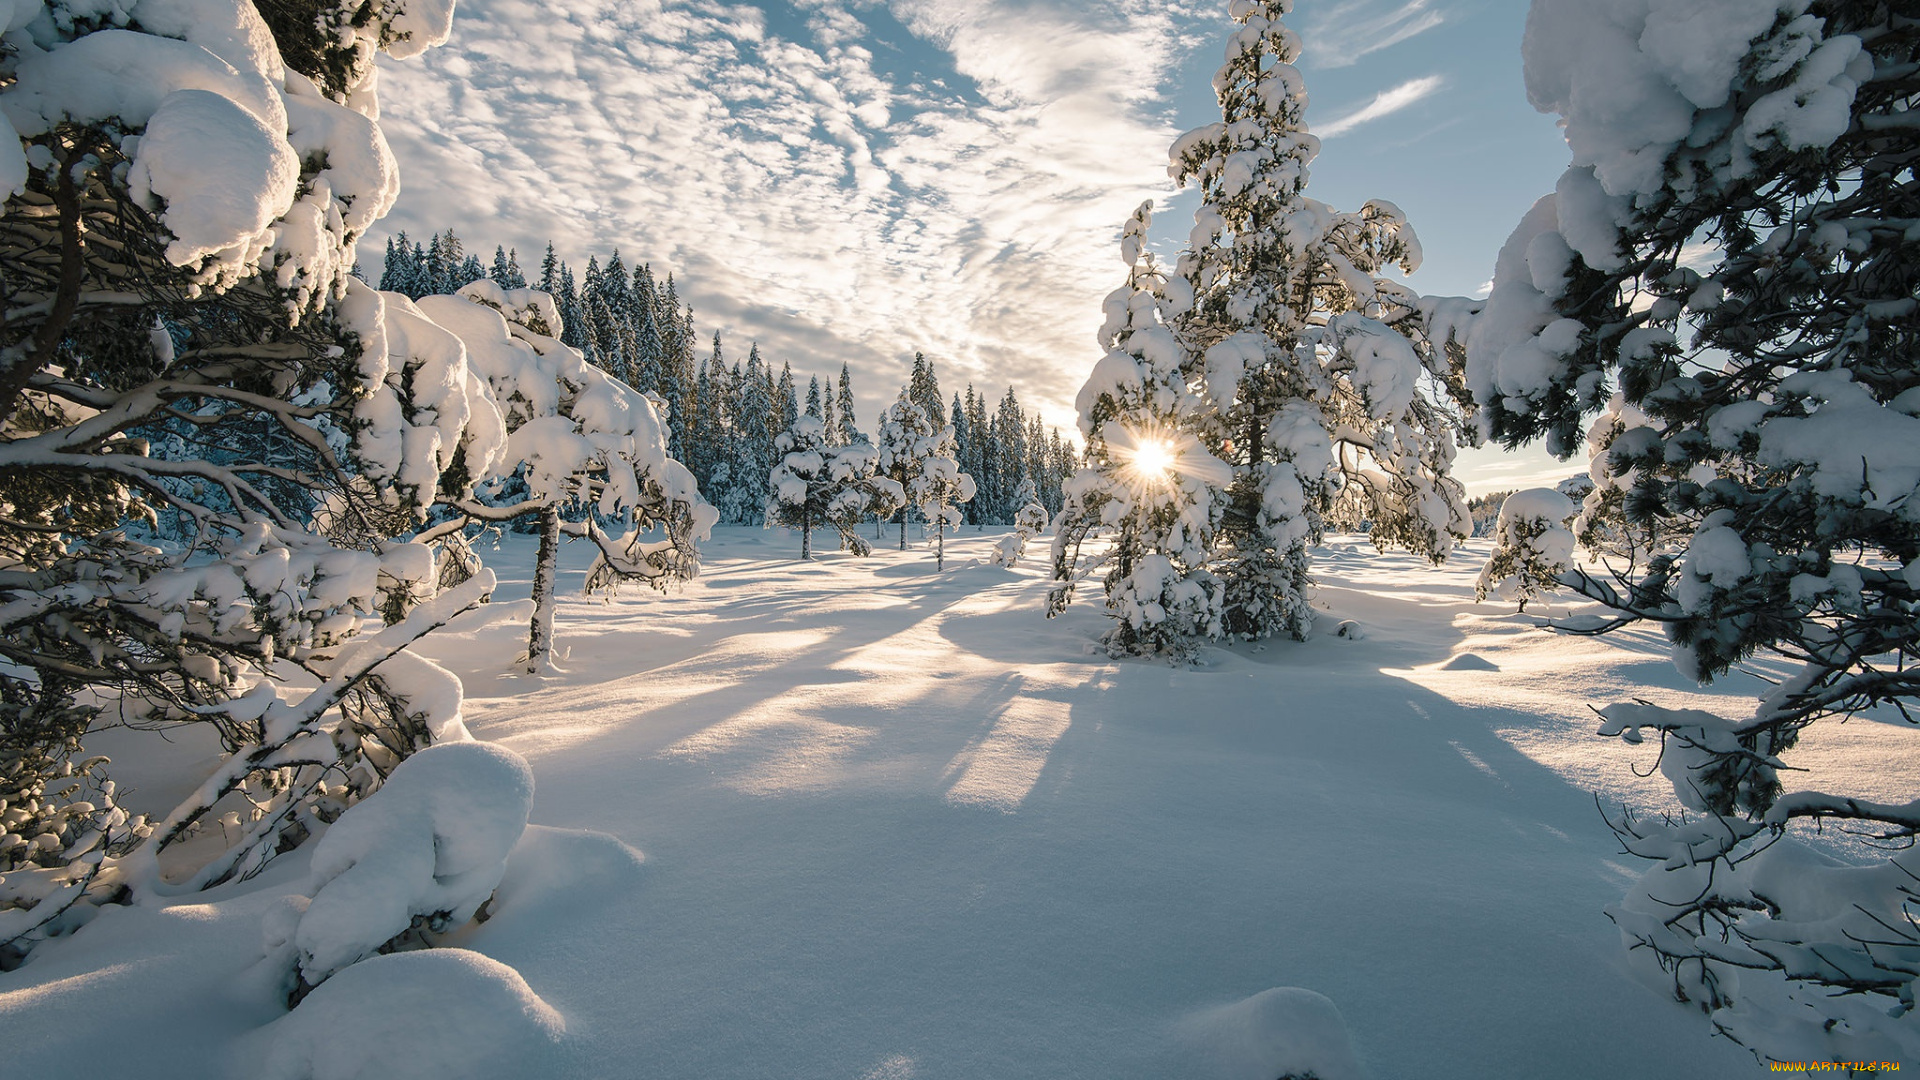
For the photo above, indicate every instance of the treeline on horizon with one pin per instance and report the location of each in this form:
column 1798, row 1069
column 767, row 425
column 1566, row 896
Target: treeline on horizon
column 724, row 416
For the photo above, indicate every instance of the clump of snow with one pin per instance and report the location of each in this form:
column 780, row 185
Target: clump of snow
column 1503, row 364
column 1385, row 368
column 430, row 845
column 1852, row 448
column 1629, row 77
column 220, row 173
column 420, row 25
column 1536, row 503
column 440, row 1014
column 125, row 76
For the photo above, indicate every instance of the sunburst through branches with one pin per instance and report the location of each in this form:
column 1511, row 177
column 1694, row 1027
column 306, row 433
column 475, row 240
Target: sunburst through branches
column 1156, row 459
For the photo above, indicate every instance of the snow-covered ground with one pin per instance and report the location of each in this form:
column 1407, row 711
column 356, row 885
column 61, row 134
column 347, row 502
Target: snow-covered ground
column 855, row 819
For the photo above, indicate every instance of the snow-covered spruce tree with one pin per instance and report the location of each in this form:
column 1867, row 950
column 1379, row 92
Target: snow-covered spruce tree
column 576, row 438
column 848, row 431
column 904, row 430
column 750, row 454
column 1150, row 485
column 1314, row 359
column 816, row 484
column 938, row 487
column 1531, row 547
column 1310, row 374
column 1734, row 255
column 1028, row 522
column 208, row 435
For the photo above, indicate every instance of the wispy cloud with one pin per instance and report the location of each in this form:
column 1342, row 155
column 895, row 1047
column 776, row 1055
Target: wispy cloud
column 1385, row 103
column 1340, row 34
column 840, row 180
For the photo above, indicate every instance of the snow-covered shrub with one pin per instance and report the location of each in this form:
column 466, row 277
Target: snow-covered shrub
column 1028, row 522
column 419, row 856
column 208, row 436
column 1531, row 547
column 1725, row 274
column 819, row 484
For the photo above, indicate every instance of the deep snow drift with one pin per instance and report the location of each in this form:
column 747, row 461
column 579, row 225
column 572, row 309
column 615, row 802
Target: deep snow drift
column 896, row 824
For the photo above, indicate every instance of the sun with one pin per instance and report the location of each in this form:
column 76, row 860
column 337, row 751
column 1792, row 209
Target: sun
column 1153, row 459
column 1159, row 461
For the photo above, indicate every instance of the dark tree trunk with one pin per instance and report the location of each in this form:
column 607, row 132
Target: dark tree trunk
column 546, row 563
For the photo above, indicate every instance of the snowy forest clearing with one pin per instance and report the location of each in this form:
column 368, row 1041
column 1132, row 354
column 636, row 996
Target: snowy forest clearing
column 896, row 824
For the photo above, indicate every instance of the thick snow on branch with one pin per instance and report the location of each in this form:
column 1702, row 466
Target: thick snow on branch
column 430, row 845
column 245, row 162
column 566, row 417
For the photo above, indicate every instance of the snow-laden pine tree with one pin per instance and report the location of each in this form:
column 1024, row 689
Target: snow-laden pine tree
column 1532, row 547
column 904, row 431
column 210, row 432
column 1734, row 256
column 577, row 438
column 786, row 402
column 1028, row 522
column 1006, row 455
column 1150, row 484
column 1307, row 370
column 938, row 487
column 1313, row 357
column 923, row 386
column 749, row 454
column 817, row 484
column 849, row 429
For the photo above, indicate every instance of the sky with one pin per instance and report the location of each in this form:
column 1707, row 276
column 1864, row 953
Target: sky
column 857, row 180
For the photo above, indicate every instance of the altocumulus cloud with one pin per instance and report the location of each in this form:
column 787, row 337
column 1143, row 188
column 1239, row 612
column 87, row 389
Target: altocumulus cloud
column 840, row 180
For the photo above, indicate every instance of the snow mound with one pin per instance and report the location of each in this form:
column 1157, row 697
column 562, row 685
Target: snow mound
column 1469, row 662
column 551, row 869
column 430, row 845
column 1280, row 1033
column 441, row 1014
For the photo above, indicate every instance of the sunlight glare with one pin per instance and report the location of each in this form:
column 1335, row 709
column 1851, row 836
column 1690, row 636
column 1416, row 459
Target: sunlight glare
column 1153, row 459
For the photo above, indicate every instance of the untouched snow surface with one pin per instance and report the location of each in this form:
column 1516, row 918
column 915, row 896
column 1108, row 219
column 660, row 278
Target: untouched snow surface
column 897, row 825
